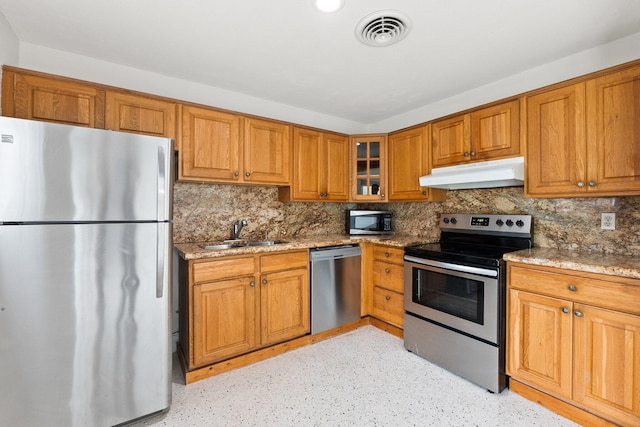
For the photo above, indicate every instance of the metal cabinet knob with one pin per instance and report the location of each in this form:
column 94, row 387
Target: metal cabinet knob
column 382, row 195
column 387, row 254
column 424, row 193
column 386, row 270
column 247, row 174
column 466, row 154
column 252, row 284
column 580, row 184
column 578, row 313
column 565, row 310
column 473, row 153
column 236, row 173
column 387, row 297
column 572, row 288
column 592, row 183
column 264, row 281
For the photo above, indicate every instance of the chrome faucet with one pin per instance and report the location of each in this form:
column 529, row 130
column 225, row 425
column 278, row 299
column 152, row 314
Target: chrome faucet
column 237, row 228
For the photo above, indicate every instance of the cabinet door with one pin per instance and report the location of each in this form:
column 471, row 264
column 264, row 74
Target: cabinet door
column 285, row 311
column 140, row 114
column 225, row 319
column 607, row 363
column 556, row 142
column 368, row 154
column 336, row 167
column 450, row 141
column 495, row 131
column 613, row 117
column 67, row 102
column 267, row 152
column 408, row 161
column 210, row 145
column 539, row 343
column 307, row 164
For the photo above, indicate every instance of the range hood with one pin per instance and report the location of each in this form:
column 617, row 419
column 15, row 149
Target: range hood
column 490, row 174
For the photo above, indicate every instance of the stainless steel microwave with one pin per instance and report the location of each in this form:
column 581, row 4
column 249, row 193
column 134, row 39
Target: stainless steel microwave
column 368, row 222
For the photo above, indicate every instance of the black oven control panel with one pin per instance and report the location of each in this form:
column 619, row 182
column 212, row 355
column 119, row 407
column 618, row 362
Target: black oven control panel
column 497, row 224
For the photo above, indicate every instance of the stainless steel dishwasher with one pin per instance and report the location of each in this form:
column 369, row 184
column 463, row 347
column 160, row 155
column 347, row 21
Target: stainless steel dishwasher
column 335, row 286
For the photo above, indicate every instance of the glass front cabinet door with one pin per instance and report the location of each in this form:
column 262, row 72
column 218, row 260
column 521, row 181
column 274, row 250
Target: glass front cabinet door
column 369, row 168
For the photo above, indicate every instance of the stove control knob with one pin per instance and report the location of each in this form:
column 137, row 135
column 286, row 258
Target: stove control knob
column 499, row 223
column 520, row 223
column 509, row 223
column 454, row 221
column 446, row 220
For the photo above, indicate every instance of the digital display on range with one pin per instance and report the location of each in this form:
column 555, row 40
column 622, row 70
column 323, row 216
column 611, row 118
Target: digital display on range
column 480, row 220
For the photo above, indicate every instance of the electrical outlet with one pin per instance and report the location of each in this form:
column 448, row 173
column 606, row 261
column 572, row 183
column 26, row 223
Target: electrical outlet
column 608, row 221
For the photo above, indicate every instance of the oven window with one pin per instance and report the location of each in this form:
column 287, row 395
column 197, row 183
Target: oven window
column 458, row 296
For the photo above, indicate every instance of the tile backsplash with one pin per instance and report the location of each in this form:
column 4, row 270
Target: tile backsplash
column 206, row 212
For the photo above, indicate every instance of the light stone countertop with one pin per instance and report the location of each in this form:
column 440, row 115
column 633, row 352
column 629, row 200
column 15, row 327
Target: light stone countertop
column 191, row 251
column 591, row 262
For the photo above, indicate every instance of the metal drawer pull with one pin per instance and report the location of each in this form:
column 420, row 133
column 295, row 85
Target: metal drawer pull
column 387, row 254
column 386, row 270
column 252, row 284
column 264, row 281
column 565, row 310
column 387, row 297
column 572, row 288
column 578, row 313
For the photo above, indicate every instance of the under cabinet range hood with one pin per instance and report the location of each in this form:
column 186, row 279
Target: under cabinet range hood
column 489, row 174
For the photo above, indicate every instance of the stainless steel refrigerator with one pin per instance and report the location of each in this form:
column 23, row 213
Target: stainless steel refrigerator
column 85, row 270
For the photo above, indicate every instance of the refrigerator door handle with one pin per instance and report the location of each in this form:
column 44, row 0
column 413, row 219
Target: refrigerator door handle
column 162, row 175
column 160, row 266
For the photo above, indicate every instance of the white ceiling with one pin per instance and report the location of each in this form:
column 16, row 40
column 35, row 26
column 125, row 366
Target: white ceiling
column 287, row 52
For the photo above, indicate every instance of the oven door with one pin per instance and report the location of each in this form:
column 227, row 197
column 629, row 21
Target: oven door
column 460, row 297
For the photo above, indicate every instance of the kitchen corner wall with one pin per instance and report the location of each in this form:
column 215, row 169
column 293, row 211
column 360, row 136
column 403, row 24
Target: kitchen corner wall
column 206, row 212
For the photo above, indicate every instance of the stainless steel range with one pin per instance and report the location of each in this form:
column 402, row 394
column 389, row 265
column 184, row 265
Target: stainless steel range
column 454, row 297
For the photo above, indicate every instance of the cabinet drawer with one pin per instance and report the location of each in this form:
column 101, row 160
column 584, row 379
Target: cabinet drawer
column 389, row 276
column 388, row 306
column 602, row 291
column 388, row 254
column 209, row 271
column 284, row 261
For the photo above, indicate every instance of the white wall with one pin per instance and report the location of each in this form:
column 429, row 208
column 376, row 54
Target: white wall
column 9, row 45
column 57, row 62
column 604, row 56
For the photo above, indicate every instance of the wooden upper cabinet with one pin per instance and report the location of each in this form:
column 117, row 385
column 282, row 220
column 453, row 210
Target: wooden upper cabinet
column 495, row 131
column 486, row 134
column 368, row 168
column 583, row 139
column 141, row 114
column 409, row 160
column 210, row 145
column 52, row 99
column 320, row 167
column 613, row 133
column 556, row 144
column 450, row 140
column 267, row 152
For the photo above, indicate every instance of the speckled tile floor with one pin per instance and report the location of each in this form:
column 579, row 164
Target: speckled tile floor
column 362, row 378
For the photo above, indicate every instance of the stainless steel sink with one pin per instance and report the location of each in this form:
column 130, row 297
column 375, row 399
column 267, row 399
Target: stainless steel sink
column 241, row 244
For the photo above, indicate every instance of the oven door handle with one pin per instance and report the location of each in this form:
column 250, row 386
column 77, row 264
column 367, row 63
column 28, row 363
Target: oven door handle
column 454, row 267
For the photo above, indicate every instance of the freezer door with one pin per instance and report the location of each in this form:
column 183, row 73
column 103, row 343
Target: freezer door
column 59, row 173
column 84, row 337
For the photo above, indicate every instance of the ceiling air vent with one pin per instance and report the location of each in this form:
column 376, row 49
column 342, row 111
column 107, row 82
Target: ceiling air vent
column 383, row 28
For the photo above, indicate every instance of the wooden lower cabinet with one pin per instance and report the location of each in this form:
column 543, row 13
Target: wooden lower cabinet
column 576, row 337
column 233, row 305
column 387, row 284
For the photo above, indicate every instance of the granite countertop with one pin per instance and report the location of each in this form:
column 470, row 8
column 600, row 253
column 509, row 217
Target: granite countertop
column 591, row 262
column 190, row 251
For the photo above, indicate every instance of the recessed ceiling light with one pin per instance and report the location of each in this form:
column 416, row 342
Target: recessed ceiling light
column 328, row 6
